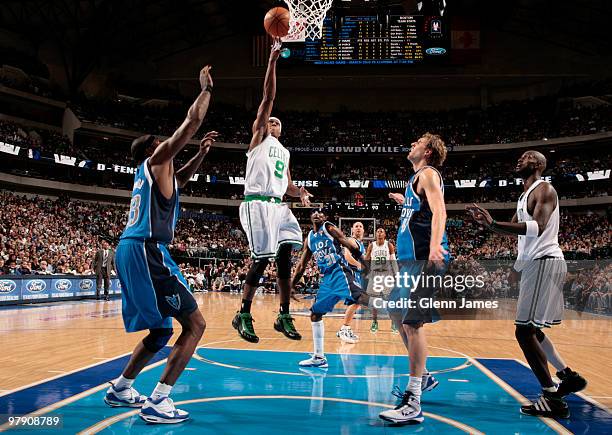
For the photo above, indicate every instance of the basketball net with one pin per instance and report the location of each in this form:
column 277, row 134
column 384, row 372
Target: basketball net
column 306, row 19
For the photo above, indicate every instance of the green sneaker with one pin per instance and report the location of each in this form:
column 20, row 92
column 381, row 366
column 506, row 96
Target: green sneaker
column 243, row 323
column 374, row 326
column 284, row 324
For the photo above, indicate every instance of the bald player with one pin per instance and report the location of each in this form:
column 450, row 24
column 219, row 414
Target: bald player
column 542, row 266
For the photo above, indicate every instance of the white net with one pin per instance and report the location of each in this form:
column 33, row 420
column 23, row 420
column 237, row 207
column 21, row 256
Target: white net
column 306, row 18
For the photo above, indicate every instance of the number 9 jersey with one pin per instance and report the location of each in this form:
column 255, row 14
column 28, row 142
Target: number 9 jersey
column 266, row 171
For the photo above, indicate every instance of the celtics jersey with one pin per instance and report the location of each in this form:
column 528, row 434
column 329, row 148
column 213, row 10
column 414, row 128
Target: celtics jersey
column 380, row 256
column 266, row 171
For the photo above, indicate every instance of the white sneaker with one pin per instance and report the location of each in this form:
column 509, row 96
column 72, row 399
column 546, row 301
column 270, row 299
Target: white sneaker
column 128, row 397
column 347, row 335
column 408, row 411
column 162, row 410
column 315, row 361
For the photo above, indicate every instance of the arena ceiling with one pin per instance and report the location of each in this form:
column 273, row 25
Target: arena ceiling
column 87, row 31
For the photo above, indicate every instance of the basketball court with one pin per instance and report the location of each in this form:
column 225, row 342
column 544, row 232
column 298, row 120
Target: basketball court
column 69, row 352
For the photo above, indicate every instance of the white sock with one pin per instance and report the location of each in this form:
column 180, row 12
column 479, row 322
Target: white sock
column 552, row 389
column 121, row 383
column 161, row 390
column 552, row 355
column 414, row 386
column 345, row 327
column 425, row 372
column 318, row 336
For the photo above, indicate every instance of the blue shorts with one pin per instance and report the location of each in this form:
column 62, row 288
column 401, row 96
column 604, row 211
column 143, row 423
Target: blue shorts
column 338, row 284
column 415, row 301
column 153, row 290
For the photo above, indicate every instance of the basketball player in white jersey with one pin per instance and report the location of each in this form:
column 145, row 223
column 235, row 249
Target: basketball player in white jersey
column 381, row 257
column 543, row 269
column 271, row 228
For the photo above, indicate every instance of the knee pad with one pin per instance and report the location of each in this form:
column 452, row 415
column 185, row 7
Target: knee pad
column 524, row 332
column 256, row 272
column 283, row 262
column 157, row 339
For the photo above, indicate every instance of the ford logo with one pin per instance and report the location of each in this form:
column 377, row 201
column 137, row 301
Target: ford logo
column 7, row 286
column 36, row 286
column 435, row 51
column 86, row 284
column 63, row 285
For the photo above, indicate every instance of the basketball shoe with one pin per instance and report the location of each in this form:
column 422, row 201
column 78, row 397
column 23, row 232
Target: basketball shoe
column 571, row 382
column 126, row 397
column 162, row 410
column 347, row 335
column 315, row 361
column 407, row 411
column 243, row 323
column 548, row 405
column 284, row 324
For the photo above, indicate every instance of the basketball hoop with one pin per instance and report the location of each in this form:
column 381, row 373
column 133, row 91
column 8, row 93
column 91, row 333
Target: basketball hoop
column 306, row 19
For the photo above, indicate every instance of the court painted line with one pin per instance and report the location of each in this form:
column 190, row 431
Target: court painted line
column 117, row 418
column 458, row 380
column 278, row 372
column 554, row 425
column 76, row 397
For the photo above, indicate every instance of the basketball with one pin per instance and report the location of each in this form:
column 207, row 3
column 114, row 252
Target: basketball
column 276, row 22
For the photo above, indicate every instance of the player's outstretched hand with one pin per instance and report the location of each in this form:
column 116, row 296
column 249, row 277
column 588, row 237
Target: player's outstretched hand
column 479, row 214
column 276, row 49
column 305, row 197
column 205, row 77
column 397, row 197
column 436, row 256
column 208, row 139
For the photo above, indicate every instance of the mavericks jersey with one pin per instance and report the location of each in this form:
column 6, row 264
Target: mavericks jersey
column 266, row 171
column 380, row 257
column 326, row 250
column 152, row 216
column 357, row 270
column 547, row 244
column 414, row 233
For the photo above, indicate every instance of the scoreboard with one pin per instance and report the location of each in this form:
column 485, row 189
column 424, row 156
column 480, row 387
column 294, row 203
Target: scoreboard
column 374, row 40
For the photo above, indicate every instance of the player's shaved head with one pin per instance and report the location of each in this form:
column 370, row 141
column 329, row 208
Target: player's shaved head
column 539, row 157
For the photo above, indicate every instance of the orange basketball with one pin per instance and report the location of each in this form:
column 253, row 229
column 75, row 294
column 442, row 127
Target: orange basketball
column 276, row 22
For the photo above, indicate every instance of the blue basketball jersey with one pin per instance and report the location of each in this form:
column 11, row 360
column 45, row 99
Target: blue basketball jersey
column 326, row 250
column 152, row 216
column 414, row 233
column 357, row 270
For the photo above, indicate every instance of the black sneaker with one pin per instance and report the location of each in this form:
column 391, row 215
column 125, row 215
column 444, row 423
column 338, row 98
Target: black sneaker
column 547, row 405
column 571, row 382
column 243, row 323
column 284, row 324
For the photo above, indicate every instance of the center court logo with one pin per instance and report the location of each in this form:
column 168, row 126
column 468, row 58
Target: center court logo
column 7, row 286
column 36, row 286
column 63, row 285
column 86, row 284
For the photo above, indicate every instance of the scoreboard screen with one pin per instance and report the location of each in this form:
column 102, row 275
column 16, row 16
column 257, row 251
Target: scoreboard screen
column 374, row 40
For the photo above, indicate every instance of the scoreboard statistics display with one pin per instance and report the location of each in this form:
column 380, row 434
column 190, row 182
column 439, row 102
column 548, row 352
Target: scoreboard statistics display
column 375, row 40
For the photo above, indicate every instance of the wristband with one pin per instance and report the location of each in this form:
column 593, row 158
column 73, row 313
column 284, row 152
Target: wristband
column 532, row 229
column 208, row 88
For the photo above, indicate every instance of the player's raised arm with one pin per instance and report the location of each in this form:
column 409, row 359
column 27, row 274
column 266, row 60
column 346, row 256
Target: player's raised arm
column 184, row 174
column 545, row 203
column 269, row 93
column 169, row 148
column 300, row 267
column 348, row 243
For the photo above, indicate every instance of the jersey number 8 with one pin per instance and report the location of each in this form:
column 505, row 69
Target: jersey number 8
column 134, row 210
